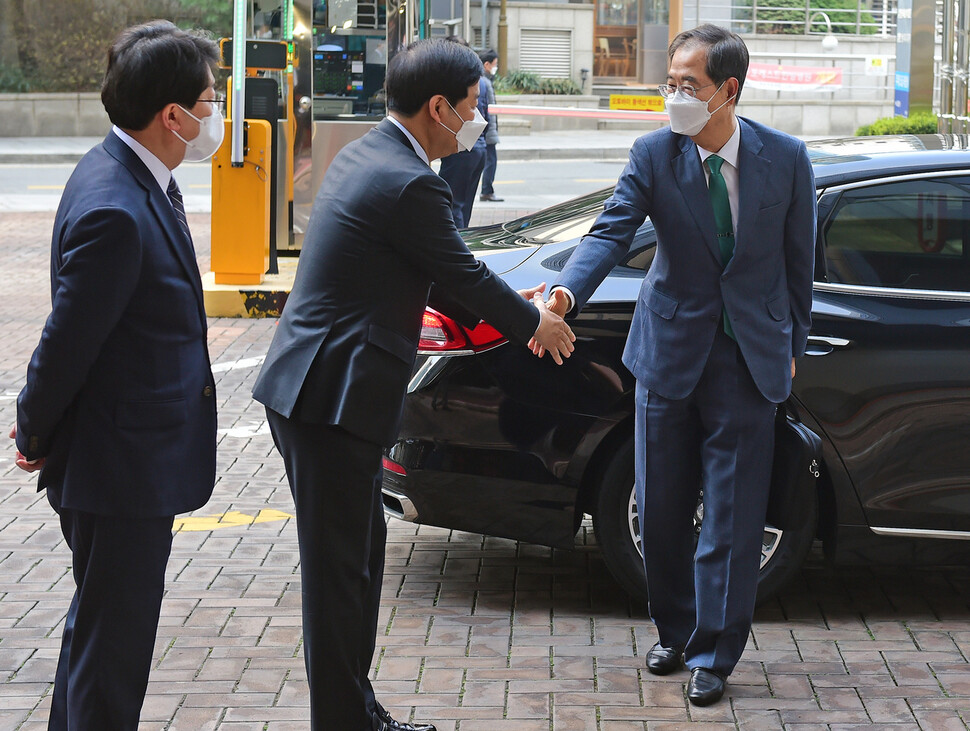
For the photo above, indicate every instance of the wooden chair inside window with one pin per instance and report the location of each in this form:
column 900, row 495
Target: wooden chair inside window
column 630, row 57
column 606, row 62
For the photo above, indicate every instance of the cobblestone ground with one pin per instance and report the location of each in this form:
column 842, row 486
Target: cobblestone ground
column 476, row 634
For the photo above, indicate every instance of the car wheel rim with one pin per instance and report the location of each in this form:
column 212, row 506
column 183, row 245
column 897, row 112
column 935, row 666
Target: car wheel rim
column 770, row 541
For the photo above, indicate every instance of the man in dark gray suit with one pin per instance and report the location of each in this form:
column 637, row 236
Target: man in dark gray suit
column 335, row 376
column 723, row 312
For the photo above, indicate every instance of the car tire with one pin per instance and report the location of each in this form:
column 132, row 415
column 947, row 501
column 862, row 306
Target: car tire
column 617, row 532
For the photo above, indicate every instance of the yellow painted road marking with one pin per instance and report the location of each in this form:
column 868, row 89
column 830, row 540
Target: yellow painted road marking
column 232, row 519
column 45, row 187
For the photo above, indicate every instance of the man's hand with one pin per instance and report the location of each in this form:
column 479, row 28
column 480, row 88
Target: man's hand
column 21, row 461
column 793, row 369
column 558, row 302
column 553, row 334
column 530, row 293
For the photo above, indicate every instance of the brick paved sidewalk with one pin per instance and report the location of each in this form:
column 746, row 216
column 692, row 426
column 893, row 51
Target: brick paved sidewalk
column 477, row 634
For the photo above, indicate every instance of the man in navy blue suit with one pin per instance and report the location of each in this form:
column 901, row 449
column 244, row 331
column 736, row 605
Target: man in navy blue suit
column 723, row 312
column 336, row 373
column 119, row 412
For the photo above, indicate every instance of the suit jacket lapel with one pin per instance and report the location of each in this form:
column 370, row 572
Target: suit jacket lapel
column 693, row 187
column 161, row 206
column 752, row 174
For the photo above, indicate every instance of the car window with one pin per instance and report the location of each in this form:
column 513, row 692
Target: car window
column 910, row 234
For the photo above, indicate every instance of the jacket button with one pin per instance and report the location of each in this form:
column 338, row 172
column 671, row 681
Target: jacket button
column 208, row 391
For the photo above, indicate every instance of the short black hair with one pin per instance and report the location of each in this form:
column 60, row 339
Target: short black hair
column 727, row 56
column 154, row 64
column 428, row 67
column 488, row 56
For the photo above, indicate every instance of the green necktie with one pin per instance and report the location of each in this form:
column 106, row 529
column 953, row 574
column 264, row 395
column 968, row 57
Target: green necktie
column 723, row 222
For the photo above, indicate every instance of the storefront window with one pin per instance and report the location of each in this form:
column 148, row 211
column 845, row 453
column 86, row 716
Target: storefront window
column 616, row 12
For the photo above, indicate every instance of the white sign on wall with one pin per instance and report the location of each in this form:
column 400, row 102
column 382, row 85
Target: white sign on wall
column 877, row 65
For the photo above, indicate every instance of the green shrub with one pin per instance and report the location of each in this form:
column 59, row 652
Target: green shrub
column 518, row 82
column 559, row 86
column 62, row 46
column 13, row 81
column 920, row 123
column 528, row 82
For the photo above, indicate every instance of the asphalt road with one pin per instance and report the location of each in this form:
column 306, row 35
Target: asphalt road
column 531, row 185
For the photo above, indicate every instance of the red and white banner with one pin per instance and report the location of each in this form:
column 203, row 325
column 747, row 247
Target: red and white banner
column 793, row 78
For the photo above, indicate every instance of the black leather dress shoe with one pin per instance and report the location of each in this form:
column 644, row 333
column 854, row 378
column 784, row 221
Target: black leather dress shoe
column 384, row 722
column 705, row 687
column 490, row 197
column 664, row 660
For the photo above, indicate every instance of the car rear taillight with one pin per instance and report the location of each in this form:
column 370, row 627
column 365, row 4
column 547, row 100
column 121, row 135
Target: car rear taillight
column 441, row 334
column 394, row 467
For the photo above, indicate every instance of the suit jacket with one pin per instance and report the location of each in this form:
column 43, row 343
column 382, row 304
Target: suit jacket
column 380, row 233
column 766, row 288
column 119, row 395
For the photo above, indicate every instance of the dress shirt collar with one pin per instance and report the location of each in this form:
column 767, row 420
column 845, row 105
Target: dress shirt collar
column 156, row 167
column 418, row 150
column 728, row 152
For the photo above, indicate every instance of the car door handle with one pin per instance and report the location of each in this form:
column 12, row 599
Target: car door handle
column 823, row 344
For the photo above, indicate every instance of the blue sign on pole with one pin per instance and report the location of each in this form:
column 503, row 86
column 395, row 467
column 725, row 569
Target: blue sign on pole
column 904, row 41
column 901, row 103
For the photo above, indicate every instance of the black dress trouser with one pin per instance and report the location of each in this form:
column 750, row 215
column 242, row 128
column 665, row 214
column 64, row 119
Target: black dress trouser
column 335, row 479
column 109, row 633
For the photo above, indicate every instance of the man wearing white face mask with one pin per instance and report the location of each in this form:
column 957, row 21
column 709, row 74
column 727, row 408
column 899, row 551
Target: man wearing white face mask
column 118, row 412
column 380, row 235
column 722, row 314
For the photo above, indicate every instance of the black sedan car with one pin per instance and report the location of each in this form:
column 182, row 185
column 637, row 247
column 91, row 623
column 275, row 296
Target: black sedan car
column 498, row 442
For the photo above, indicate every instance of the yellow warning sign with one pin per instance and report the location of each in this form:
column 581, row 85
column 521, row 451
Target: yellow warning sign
column 232, row 519
column 637, row 102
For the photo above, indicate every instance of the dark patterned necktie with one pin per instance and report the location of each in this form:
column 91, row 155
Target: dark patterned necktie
column 723, row 222
column 175, row 195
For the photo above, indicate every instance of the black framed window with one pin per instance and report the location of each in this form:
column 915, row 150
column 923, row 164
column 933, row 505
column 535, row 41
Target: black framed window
column 911, row 234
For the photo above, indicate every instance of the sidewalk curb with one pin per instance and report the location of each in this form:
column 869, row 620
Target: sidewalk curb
column 559, row 153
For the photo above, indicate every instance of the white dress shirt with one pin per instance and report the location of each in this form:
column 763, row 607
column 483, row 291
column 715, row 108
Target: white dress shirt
column 156, row 167
column 418, row 150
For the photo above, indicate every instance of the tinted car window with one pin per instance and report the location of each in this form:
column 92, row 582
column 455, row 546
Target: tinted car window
column 911, row 234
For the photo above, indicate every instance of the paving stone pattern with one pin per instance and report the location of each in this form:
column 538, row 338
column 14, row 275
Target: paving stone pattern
column 476, row 634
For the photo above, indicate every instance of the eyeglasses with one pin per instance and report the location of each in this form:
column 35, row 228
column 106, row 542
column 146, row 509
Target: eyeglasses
column 217, row 99
column 686, row 89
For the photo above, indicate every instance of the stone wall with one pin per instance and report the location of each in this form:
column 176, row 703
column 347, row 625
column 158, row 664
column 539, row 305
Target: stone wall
column 52, row 115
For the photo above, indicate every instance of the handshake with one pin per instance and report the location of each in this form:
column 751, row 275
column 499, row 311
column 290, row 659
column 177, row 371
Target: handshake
column 553, row 334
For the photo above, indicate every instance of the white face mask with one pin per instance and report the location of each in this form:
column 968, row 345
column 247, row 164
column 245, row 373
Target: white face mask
column 688, row 114
column 470, row 131
column 211, row 131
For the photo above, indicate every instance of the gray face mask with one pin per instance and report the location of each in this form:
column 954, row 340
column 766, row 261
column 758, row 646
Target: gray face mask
column 688, row 114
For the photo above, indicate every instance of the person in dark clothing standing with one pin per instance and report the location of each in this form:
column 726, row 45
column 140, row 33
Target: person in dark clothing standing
column 463, row 170
column 490, row 62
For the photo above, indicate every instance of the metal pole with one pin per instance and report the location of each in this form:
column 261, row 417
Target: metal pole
column 237, row 153
column 962, row 31
column 503, row 38
column 485, row 25
column 945, row 117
